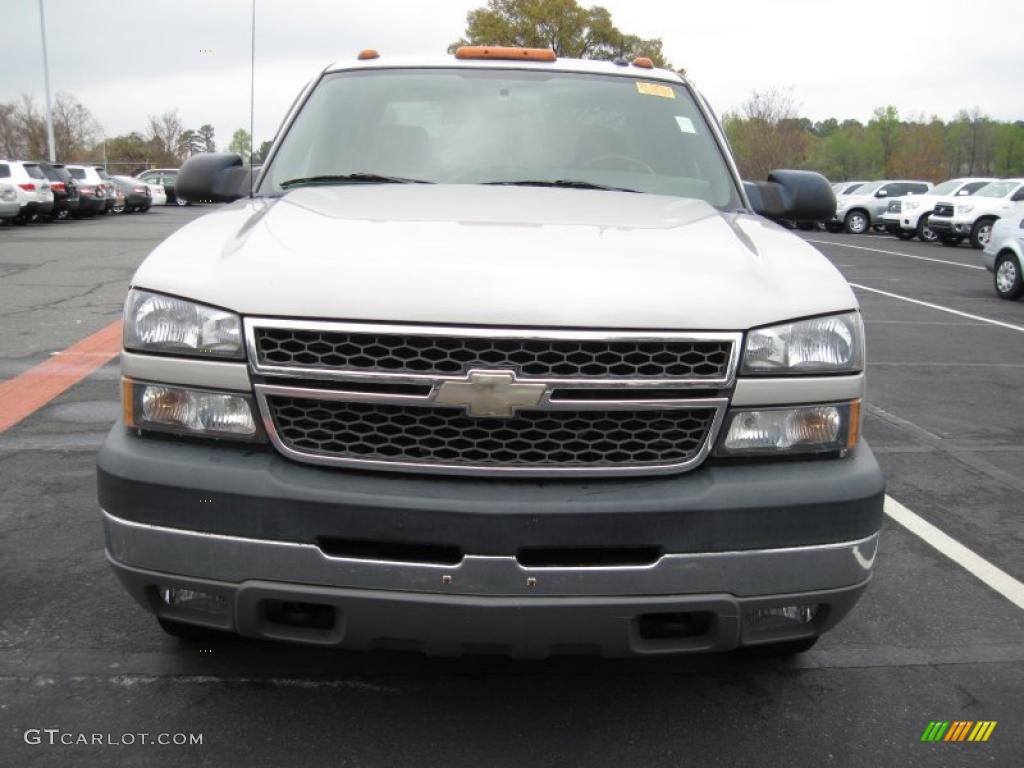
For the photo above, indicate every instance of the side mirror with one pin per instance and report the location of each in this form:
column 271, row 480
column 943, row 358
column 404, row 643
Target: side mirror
column 217, row 177
column 793, row 196
column 882, row 193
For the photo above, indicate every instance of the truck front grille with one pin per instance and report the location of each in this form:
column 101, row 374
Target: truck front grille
column 943, row 209
column 447, row 437
column 453, row 354
column 498, row 401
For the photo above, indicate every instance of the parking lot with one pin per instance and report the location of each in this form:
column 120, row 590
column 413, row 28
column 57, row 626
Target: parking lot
column 931, row 640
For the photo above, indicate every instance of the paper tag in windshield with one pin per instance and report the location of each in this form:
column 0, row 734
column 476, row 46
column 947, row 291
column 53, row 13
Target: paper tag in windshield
column 685, row 124
column 653, row 89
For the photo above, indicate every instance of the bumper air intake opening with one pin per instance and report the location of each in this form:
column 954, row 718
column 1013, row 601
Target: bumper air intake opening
column 674, row 626
column 291, row 613
column 399, row 552
column 586, row 557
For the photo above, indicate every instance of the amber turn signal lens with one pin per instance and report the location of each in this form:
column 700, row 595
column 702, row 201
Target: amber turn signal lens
column 643, row 61
column 368, row 53
column 853, row 431
column 127, row 402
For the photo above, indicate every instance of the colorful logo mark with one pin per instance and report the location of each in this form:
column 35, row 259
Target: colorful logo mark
column 958, row 730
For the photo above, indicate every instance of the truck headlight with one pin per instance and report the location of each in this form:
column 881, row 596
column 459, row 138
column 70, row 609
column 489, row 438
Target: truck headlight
column 157, row 323
column 829, row 344
column 801, row 429
column 909, row 206
column 183, row 410
column 964, row 209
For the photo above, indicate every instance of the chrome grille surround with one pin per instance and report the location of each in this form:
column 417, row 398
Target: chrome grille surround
column 562, row 399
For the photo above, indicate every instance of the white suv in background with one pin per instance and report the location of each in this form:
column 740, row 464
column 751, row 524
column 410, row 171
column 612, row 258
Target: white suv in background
column 31, row 186
column 8, row 201
column 859, row 212
column 908, row 217
column 954, row 221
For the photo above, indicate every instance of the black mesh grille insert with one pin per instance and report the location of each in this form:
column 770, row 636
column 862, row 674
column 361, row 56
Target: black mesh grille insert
column 434, row 435
column 549, row 358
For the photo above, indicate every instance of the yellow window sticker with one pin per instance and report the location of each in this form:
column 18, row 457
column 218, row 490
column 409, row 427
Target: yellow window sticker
column 653, row 89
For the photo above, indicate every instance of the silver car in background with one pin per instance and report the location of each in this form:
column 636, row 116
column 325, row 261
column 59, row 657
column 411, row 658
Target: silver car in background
column 859, row 212
column 1004, row 253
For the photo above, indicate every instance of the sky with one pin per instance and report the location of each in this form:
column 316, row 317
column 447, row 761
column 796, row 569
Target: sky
column 127, row 60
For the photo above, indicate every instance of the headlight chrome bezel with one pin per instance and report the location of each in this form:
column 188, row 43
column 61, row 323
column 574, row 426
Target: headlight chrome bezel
column 210, row 333
column 767, row 350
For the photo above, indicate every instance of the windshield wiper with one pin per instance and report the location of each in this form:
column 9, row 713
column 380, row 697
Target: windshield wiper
column 350, row 178
column 567, row 183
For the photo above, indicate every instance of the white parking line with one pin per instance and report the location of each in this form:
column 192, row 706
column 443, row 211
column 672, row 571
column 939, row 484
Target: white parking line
column 941, row 308
column 970, row 561
column 895, row 253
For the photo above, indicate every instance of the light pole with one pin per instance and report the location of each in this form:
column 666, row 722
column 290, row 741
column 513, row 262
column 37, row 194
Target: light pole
column 46, row 79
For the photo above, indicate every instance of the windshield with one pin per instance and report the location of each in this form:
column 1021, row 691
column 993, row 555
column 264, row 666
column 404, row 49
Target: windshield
column 997, row 189
column 853, row 188
column 946, row 187
column 478, row 126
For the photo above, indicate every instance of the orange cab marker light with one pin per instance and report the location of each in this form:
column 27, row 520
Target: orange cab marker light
column 643, row 61
column 368, row 53
column 504, row 52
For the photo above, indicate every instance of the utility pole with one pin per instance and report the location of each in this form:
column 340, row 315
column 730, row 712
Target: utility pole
column 46, row 78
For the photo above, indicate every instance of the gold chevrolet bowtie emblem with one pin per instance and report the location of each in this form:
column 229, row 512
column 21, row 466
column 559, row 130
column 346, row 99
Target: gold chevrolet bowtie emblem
column 489, row 394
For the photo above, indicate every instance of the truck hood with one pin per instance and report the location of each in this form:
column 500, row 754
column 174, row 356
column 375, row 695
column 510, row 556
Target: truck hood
column 486, row 255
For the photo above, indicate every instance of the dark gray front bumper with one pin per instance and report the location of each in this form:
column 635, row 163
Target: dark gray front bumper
column 248, row 527
column 449, row 623
column 257, row 494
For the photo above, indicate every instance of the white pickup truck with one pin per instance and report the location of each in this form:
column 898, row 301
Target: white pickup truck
column 907, row 217
column 500, row 355
column 953, row 220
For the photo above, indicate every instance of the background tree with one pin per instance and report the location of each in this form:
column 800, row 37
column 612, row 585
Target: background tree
column 165, row 130
column 206, row 142
column 1007, row 148
column 260, row 155
column 189, row 144
column 240, row 144
column 75, row 130
column 919, row 151
column 767, row 133
column 563, row 25
column 131, row 151
column 883, row 130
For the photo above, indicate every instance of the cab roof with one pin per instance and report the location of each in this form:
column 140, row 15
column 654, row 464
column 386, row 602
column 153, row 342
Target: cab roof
column 585, row 66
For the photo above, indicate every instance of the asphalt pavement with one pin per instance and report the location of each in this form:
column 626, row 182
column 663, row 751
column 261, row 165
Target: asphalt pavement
column 929, row 641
